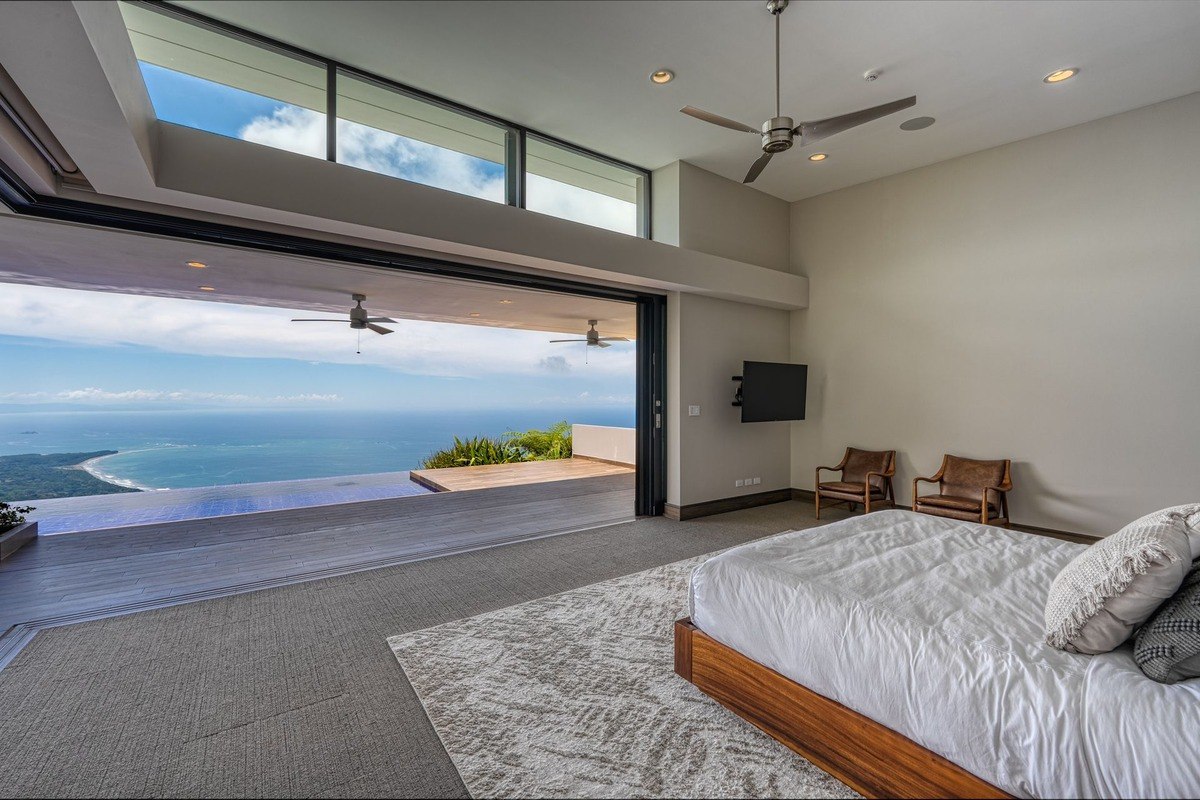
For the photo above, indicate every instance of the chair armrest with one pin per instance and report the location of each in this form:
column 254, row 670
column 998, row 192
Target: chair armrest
column 817, row 481
column 934, row 479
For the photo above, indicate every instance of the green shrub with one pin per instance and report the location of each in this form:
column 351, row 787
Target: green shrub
column 554, row 442
column 512, row 447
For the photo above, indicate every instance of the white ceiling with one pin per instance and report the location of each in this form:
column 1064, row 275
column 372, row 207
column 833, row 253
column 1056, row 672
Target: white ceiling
column 80, row 257
column 578, row 70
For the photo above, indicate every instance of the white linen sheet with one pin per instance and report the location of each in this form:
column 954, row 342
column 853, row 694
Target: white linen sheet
column 933, row 627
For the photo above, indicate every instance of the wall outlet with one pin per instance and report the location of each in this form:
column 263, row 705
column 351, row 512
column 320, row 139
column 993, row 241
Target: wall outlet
column 757, row 481
column 748, row 481
column 739, row 482
column 693, row 411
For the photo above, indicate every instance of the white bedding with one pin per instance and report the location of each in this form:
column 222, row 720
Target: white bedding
column 933, row 627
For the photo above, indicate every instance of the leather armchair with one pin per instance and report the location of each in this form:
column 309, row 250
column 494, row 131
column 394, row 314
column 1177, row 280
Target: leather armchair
column 866, row 478
column 968, row 489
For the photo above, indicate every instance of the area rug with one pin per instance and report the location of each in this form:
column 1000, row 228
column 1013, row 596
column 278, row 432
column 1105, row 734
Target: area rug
column 574, row 695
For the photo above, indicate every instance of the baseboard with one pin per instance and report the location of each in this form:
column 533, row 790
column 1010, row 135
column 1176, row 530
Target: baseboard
column 726, row 504
column 605, row 461
column 808, row 496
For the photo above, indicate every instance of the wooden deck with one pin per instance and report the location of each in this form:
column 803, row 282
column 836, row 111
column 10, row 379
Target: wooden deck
column 491, row 476
column 73, row 577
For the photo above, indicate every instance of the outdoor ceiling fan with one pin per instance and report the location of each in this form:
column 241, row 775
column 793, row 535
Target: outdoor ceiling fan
column 594, row 339
column 779, row 132
column 359, row 320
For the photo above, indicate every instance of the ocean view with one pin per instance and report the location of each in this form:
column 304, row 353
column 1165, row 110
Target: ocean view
column 188, row 449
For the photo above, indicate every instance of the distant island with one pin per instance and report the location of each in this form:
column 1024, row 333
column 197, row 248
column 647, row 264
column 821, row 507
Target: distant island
column 40, row 477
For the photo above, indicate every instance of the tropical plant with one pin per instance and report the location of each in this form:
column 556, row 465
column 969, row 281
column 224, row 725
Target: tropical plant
column 12, row 516
column 538, row 445
column 473, row 452
column 512, row 447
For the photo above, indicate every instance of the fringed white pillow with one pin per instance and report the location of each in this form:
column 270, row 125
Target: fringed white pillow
column 1111, row 588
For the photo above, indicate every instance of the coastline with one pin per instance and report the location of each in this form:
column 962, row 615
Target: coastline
column 90, row 468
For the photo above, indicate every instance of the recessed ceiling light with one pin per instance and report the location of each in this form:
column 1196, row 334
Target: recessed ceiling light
column 506, row 302
column 917, row 123
column 818, row 157
column 197, row 264
column 1060, row 75
column 662, row 76
column 473, row 314
column 207, row 289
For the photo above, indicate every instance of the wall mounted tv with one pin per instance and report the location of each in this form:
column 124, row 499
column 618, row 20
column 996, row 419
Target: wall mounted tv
column 771, row 392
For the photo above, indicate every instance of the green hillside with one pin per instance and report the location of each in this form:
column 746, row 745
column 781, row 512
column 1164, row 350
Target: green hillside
column 39, row 477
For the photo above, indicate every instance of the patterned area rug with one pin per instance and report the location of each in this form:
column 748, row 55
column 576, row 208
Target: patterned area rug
column 574, row 695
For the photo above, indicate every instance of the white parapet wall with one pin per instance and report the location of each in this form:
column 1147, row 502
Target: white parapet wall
column 618, row 445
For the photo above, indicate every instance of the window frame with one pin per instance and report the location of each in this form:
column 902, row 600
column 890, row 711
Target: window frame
column 516, row 136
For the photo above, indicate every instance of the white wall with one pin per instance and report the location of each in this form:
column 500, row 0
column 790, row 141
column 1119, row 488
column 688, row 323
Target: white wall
column 605, row 442
column 697, row 210
column 1037, row 301
column 708, row 340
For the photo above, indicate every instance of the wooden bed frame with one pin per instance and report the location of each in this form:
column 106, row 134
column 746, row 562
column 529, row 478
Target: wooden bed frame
column 873, row 760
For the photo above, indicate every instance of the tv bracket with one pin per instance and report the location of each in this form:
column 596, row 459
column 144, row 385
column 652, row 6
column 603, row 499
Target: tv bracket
column 737, row 394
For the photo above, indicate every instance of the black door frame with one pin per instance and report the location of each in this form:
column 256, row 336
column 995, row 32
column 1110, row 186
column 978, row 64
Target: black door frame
column 651, row 308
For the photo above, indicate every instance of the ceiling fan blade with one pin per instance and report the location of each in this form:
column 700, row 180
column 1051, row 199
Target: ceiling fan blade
column 378, row 329
column 556, row 341
column 822, row 129
column 717, row 119
column 603, row 343
column 380, row 319
column 613, row 339
column 343, row 321
column 757, row 167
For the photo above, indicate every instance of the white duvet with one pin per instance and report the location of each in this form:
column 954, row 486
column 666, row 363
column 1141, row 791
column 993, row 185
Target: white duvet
column 933, row 628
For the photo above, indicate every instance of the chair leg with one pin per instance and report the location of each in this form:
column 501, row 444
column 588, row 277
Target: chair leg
column 817, row 495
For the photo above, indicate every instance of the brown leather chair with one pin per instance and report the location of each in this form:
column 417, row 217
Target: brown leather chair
column 866, row 478
column 968, row 489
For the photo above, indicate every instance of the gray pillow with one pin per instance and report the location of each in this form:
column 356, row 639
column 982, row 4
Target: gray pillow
column 1112, row 587
column 1167, row 647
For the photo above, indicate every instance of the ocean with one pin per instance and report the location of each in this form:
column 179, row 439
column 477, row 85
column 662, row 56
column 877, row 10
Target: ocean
column 187, row 449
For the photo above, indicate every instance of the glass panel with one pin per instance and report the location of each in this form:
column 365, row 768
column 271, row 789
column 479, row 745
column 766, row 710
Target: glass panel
column 570, row 185
column 386, row 131
column 201, row 78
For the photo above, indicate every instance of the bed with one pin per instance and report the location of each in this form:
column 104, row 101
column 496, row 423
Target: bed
column 904, row 654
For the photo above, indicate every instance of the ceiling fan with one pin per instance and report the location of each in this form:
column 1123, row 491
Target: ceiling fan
column 594, row 339
column 778, row 133
column 358, row 318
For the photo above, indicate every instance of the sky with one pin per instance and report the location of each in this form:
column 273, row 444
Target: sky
column 198, row 103
column 102, row 350
column 94, row 350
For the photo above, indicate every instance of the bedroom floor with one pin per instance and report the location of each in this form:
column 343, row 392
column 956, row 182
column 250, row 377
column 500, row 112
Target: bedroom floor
column 293, row 691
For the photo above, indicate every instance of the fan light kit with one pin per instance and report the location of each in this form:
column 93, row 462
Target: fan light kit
column 661, row 76
column 1060, row 75
column 197, row 264
column 779, row 132
column 593, row 337
column 818, row 157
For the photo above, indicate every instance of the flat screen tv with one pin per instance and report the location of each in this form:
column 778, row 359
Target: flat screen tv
column 773, row 392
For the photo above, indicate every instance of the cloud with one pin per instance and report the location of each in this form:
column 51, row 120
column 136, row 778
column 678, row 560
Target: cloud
column 93, row 394
column 555, row 364
column 302, row 131
column 221, row 329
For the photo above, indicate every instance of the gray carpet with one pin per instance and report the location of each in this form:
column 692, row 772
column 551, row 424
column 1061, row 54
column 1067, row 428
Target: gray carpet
column 293, row 691
column 574, row 695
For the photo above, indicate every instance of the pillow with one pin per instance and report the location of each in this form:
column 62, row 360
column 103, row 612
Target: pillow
column 1114, row 586
column 1167, row 647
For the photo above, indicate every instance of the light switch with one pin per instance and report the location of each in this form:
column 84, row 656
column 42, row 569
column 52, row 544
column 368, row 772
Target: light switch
column 693, row 411
column 757, row 481
column 739, row 482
